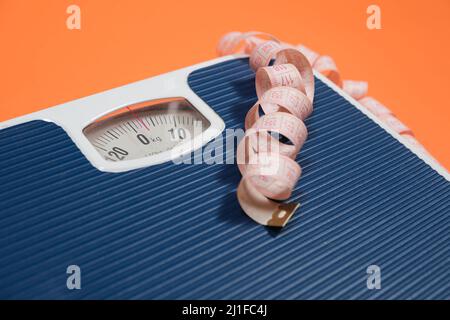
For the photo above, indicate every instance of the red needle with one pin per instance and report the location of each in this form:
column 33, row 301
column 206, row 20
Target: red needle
column 137, row 117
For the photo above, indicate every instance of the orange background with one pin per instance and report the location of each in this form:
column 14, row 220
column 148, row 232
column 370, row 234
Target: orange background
column 42, row 63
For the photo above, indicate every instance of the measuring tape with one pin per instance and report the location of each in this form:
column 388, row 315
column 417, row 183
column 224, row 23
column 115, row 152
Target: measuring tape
column 285, row 93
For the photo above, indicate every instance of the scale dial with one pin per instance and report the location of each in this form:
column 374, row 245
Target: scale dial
column 145, row 129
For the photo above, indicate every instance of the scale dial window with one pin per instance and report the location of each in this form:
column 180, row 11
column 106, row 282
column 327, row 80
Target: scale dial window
column 146, row 129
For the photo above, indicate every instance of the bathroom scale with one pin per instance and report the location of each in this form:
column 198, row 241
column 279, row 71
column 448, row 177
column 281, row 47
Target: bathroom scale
column 115, row 185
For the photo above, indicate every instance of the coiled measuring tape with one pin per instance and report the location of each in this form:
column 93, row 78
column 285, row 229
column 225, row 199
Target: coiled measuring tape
column 285, row 92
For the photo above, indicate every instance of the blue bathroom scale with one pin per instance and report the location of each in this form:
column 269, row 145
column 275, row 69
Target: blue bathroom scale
column 98, row 183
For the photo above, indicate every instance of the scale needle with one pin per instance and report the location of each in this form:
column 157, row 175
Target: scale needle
column 138, row 118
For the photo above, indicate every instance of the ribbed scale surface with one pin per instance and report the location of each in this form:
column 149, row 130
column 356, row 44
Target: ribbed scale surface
column 176, row 231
